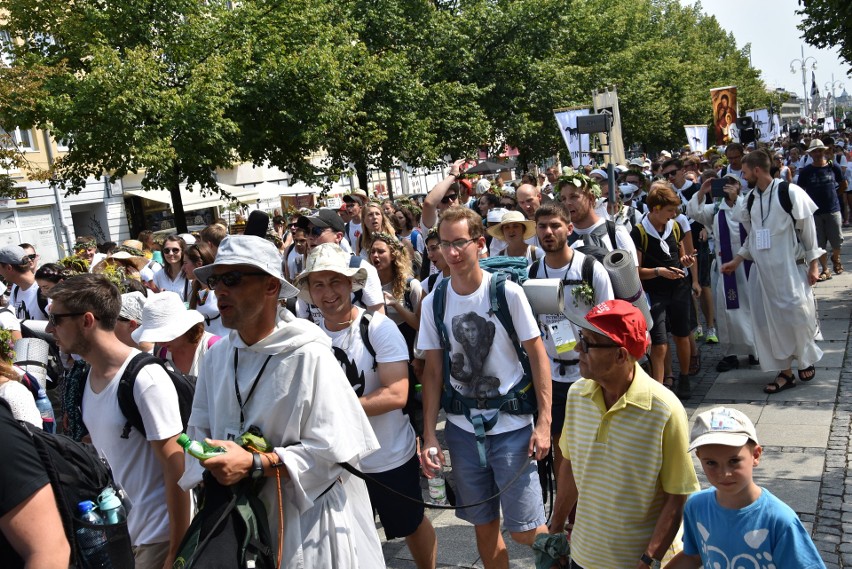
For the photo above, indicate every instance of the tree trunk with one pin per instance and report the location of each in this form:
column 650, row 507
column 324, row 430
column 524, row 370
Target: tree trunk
column 177, row 203
column 390, row 184
column 363, row 176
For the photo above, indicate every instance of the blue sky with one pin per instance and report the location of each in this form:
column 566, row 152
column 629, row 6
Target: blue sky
column 770, row 27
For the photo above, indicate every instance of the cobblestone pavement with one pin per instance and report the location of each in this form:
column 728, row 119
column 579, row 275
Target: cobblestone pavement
column 805, row 433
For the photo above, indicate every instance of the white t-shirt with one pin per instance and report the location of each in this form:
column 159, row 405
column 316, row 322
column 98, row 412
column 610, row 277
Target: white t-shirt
column 353, row 235
column 25, row 303
column 180, row 285
column 483, row 359
column 371, row 295
column 579, row 307
column 848, row 176
column 8, row 320
column 622, row 238
column 295, row 263
column 393, row 429
column 424, row 284
column 209, row 308
column 133, row 462
column 414, row 293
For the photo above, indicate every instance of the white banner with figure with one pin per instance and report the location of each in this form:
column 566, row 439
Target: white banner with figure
column 567, row 121
column 696, row 136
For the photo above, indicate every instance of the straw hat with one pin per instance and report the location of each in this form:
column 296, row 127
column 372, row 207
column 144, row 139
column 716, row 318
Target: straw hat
column 164, row 318
column 329, row 257
column 816, row 144
column 496, row 231
column 122, row 258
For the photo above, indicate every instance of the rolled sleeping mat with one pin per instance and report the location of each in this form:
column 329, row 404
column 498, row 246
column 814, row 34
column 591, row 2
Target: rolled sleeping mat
column 546, row 296
column 31, row 355
column 625, row 282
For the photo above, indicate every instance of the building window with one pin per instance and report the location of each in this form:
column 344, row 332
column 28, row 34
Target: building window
column 22, row 138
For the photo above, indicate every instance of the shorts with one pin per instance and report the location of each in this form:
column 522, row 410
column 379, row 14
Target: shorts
column 675, row 306
column 557, row 409
column 150, row 555
column 828, row 229
column 703, row 263
column 399, row 517
column 506, row 454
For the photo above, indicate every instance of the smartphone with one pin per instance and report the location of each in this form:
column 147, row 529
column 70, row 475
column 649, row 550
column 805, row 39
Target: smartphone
column 717, row 189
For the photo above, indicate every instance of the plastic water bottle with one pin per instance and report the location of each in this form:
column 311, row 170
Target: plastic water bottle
column 48, row 420
column 92, row 541
column 200, row 450
column 437, row 484
column 418, row 393
column 112, row 510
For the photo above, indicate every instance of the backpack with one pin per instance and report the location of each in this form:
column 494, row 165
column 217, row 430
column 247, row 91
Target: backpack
column 127, row 403
column 587, row 271
column 783, row 198
column 643, row 235
column 520, row 399
column 31, row 383
column 595, row 247
column 77, row 473
column 230, row 530
column 41, row 300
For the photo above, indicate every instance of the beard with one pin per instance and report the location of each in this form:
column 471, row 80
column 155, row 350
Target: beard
column 553, row 247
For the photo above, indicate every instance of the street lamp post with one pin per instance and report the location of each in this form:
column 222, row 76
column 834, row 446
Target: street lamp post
column 830, row 88
column 803, row 64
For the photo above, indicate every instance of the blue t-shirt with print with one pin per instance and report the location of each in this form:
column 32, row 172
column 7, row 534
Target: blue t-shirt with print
column 766, row 533
column 821, row 185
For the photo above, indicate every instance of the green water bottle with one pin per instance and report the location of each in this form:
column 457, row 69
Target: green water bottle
column 200, row 450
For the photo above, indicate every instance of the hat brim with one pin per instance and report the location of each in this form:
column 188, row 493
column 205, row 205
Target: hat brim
column 137, row 263
column 317, row 221
column 358, row 276
column 176, row 327
column 496, row 231
column 581, row 322
column 719, row 438
column 203, row 273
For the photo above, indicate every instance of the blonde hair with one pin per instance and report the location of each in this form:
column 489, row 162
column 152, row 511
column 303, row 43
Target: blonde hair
column 366, row 239
column 400, row 263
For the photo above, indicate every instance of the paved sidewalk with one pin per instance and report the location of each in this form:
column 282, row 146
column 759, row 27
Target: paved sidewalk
column 805, row 433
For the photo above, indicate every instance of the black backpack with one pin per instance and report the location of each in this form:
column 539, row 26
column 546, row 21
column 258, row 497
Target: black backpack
column 592, row 243
column 77, row 473
column 783, row 198
column 127, row 403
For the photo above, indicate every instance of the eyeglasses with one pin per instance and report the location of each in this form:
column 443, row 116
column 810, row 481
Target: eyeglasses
column 232, row 278
column 585, row 345
column 171, row 251
column 317, row 231
column 449, row 198
column 458, row 244
column 54, row 318
column 670, row 173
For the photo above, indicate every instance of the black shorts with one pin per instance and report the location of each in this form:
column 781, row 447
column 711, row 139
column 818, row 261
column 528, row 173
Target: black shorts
column 675, row 307
column 399, row 517
column 557, row 409
column 703, row 263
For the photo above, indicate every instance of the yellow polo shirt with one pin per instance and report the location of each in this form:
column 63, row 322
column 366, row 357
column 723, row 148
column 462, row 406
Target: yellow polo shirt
column 623, row 459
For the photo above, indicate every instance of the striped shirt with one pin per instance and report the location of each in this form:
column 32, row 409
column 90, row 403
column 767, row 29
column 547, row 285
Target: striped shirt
column 623, row 459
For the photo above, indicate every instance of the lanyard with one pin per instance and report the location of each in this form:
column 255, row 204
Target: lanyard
column 565, row 276
column 253, row 385
column 763, row 218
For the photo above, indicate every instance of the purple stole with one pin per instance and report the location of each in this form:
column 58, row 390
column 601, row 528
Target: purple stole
column 732, row 297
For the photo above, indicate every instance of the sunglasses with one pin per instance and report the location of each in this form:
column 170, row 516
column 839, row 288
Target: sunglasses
column 670, row 173
column 171, row 251
column 54, row 318
column 317, row 231
column 232, row 278
column 449, row 198
column 585, row 345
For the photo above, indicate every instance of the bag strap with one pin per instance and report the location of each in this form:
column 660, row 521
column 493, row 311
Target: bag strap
column 364, row 328
column 126, row 400
column 610, row 229
column 588, row 270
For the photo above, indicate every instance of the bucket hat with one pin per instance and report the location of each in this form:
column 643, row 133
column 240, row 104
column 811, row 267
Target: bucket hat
column 248, row 250
column 132, row 304
column 816, row 144
column 329, row 257
column 164, row 318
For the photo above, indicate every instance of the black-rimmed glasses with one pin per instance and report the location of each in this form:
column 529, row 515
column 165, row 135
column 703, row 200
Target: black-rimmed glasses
column 585, row 345
column 232, row 278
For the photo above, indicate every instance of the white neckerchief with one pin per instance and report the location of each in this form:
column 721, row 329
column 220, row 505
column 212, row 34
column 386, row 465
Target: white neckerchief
column 652, row 231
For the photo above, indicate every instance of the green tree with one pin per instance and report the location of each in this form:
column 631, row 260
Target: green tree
column 828, row 24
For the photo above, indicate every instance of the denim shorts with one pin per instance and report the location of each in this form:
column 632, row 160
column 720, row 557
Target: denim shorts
column 506, row 455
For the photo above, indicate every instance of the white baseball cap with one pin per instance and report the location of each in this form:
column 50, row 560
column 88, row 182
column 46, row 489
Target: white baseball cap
column 722, row 426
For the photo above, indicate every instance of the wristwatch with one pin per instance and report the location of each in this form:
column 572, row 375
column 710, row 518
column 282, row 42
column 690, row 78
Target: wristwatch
column 650, row 561
column 256, row 472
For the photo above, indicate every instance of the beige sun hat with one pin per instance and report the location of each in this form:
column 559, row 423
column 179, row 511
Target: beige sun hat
column 164, row 318
column 329, row 257
column 816, row 144
column 122, row 258
column 496, row 231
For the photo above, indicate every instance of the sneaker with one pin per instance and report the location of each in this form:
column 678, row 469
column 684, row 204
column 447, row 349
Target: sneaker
column 711, row 337
column 699, row 333
column 753, row 361
column 684, row 387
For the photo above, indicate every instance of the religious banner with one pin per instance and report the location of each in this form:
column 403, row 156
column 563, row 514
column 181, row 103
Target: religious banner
column 606, row 101
column 762, row 124
column 827, row 126
column 567, row 121
column 724, row 100
column 696, row 136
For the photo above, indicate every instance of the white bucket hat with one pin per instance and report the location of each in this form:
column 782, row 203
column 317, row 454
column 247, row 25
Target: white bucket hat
column 132, row 304
column 248, row 250
column 329, row 257
column 164, row 318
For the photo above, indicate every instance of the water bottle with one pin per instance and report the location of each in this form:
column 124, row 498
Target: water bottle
column 92, row 541
column 418, row 393
column 111, row 508
column 200, row 450
column 46, row 409
column 437, row 484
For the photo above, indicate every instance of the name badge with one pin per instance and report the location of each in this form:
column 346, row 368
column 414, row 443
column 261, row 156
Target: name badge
column 762, row 238
column 563, row 336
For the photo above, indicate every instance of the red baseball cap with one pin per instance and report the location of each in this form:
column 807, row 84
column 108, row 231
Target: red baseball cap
column 619, row 321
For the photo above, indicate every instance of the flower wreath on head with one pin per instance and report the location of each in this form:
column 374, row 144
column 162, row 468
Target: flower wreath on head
column 7, row 346
column 578, row 180
column 392, row 241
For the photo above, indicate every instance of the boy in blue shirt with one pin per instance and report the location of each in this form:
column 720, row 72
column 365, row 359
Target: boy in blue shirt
column 737, row 523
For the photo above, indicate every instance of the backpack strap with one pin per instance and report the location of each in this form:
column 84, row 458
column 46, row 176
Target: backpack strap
column 610, row 229
column 588, row 270
column 783, row 198
column 533, row 270
column 364, row 328
column 431, row 280
column 126, row 401
column 41, row 300
column 406, row 295
column 643, row 238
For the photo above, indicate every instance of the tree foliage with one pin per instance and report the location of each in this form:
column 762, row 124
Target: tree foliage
column 828, row 24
